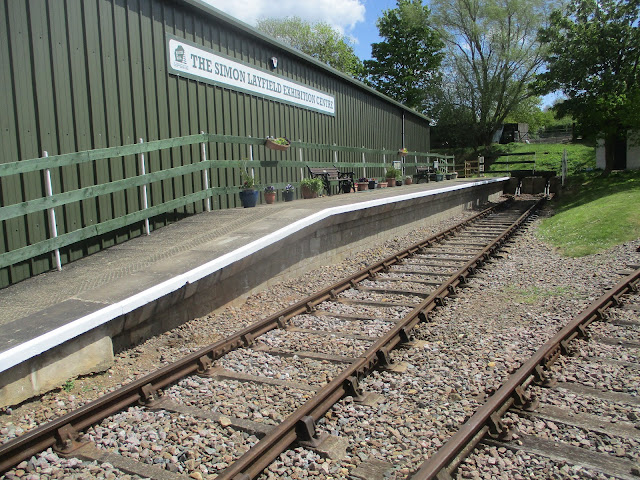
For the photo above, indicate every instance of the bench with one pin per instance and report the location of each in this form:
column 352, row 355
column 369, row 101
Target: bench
column 332, row 174
column 423, row 173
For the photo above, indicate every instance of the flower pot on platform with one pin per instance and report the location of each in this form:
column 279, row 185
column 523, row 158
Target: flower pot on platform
column 382, row 185
column 287, row 195
column 391, row 182
column 270, row 197
column 362, row 186
column 249, row 198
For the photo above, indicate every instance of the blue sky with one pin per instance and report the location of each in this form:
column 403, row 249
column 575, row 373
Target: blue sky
column 354, row 18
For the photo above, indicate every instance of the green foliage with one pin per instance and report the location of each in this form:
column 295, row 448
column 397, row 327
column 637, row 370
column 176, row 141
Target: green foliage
column 595, row 213
column 313, row 184
column 405, row 66
column 246, row 179
column 393, row 173
column 69, row 385
column 548, row 157
column 532, row 295
column 318, row 40
column 593, row 55
column 493, row 55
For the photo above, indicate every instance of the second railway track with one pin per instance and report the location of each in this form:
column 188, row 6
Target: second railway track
column 203, row 426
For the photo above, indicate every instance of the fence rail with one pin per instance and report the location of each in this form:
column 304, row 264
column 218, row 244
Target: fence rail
column 54, row 163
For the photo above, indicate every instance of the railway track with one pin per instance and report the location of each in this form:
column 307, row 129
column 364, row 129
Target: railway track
column 286, row 356
column 565, row 413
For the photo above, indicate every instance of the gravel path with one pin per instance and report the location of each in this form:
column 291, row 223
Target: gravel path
column 467, row 349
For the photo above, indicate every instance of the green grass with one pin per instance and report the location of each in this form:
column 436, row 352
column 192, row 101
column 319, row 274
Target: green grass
column 533, row 295
column 580, row 157
column 594, row 214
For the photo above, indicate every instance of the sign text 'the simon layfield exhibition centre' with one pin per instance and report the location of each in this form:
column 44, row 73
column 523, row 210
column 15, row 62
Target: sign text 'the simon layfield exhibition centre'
column 189, row 60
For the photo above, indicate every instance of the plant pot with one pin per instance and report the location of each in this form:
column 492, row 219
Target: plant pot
column 391, row 182
column 398, row 183
column 308, row 193
column 249, row 198
column 372, row 184
column 270, row 144
column 362, row 186
column 454, row 175
column 346, row 187
column 408, row 181
column 270, row 197
column 382, row 185
column 439, row 177
column 402, row 154
column 288, row 196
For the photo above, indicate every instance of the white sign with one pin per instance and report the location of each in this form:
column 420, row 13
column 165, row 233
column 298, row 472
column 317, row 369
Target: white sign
column 189, row 60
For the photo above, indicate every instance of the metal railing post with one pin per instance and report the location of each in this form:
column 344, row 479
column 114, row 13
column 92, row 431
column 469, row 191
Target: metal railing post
column 52, row 213
column 205, row 173
column 144, row 192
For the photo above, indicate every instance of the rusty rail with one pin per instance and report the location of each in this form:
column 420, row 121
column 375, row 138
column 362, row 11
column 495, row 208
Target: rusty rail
column 142, row 390
column 252, row 463
column 502, row 399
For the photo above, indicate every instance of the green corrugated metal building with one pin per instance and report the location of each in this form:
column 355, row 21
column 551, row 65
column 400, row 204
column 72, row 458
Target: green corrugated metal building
column 80, row 75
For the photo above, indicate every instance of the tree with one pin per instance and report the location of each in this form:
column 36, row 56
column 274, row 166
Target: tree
column 493, row 56
column 405, row 65
column 593, row 56
column 318, row 40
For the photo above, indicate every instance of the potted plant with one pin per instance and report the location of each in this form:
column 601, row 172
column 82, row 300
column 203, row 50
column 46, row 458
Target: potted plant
column 382, row 184
column 439, row 174
column 362, row 184
column 408, row 180
column 269, row 194
column 372, row 183
column 311, row 187
column 248, row 196
column 391, row 176
column 278, row 143
column 287, row 193
column 403, row 152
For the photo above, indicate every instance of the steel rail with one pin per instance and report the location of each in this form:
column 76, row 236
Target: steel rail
column 56, row 432
column 260, row 456
column 544, row 356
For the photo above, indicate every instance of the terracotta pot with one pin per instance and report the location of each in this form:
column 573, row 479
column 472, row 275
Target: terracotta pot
column 391, row 182
column 382, row 185
column 362, row 186
column 308, row 193
column 408, row 181
column 275, row 146
column 270, row 197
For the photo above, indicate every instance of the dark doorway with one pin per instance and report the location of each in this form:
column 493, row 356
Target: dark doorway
column 620, row 152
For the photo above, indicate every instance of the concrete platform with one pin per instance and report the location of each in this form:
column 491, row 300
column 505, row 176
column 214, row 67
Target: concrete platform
column 63, row 324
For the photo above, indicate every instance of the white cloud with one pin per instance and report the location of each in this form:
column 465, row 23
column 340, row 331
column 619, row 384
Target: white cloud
column 340, row 14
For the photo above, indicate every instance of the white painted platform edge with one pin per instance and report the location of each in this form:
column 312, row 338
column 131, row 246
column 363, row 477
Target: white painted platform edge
column 49, row 340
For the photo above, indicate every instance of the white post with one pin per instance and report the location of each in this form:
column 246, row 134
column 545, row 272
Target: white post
column 300, row 156
column 205, row 174
column 144, row 192
column 364, row 169
column 52, row 213
column 253, row 173
column 335, row 155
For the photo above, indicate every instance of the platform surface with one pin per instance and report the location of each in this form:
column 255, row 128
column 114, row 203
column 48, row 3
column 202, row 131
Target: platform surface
column 122, row 277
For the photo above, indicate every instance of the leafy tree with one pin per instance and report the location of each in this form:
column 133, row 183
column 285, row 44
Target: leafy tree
column 593, row 56
column 493, row 56
column 405, row 66
column 318, row 40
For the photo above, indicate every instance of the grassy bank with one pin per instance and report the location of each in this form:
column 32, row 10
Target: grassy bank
column 595, row 213
column 547, row 156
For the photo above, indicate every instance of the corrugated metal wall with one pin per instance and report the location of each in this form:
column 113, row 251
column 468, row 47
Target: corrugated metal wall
column 84, row 74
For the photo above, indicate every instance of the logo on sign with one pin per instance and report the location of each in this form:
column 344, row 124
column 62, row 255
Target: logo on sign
column 180, row 58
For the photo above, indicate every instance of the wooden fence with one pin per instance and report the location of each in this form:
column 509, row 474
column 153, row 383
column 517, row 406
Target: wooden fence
column 53, row 203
